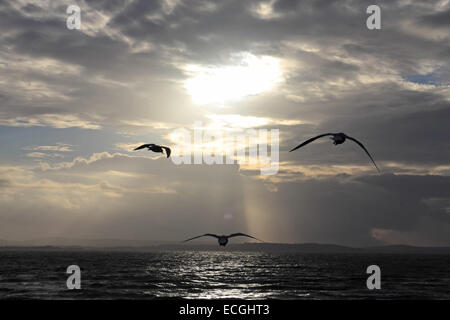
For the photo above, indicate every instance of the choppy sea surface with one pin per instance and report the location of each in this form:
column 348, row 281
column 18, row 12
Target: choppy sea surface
column 221, row 275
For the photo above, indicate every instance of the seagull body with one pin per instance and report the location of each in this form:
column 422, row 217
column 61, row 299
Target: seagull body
column 222, row 239
column 155, row 148
column 338, row 138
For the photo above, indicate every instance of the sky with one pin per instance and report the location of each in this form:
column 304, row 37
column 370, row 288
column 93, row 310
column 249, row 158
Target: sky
column 75, row 102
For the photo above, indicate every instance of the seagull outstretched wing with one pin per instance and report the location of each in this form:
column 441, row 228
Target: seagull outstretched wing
column 243, row 235
column 168, row 151
column 203, row 235
column 364, row 148
column 311, row 140
column 142, row 147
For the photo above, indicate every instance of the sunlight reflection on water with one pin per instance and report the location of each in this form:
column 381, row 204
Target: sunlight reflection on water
column 220, row 275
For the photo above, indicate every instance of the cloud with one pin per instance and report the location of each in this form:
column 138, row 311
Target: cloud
column 50, row 120
column 437, row 19
column 224, row 121
column 124, row 74
column 140, row 196
column 128, row 188
column 60, row 147
column 36, row 155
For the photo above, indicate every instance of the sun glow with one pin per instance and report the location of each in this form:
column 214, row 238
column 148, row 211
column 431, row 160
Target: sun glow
column 252, row 75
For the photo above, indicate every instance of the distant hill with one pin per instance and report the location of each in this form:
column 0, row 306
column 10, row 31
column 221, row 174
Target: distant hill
column 312, row 248
column 266, row 247
column 64, row 242
column 407, row 249
column 147, row 245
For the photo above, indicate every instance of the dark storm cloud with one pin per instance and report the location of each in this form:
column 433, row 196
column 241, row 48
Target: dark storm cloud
column 107, row 6
column 440, row 19
column 394, row 127
column 346, row 211
column 286, row 5
column 418, row 187
column 98, row 53
column 420, row 137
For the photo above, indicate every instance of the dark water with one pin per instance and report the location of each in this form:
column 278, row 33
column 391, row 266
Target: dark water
column 150, row 275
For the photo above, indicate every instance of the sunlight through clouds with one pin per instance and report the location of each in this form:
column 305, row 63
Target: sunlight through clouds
column 251, row 76
column 74, row 104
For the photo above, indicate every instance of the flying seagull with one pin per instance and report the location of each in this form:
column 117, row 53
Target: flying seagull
column 155, row 148
column 338, row 138
column 223, row 239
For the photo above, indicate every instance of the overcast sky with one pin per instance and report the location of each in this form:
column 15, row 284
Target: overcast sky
column 73, row 103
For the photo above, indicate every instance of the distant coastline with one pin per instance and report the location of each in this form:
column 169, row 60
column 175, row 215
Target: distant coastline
column 147, row 246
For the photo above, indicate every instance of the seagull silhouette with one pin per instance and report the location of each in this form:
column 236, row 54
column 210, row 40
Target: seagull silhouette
column 338, row 138
column 155, row 148
column 222, row 239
